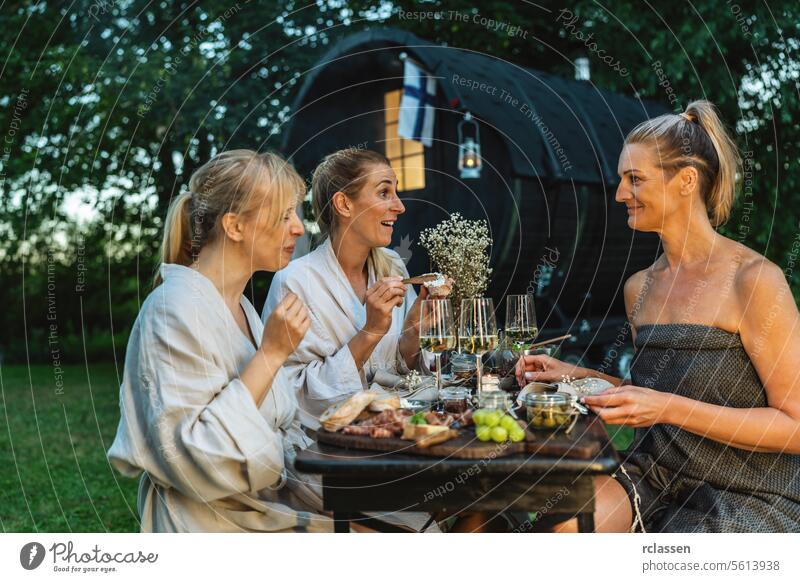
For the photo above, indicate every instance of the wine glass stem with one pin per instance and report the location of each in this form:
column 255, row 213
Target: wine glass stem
column 438, row 357
column 479, row 371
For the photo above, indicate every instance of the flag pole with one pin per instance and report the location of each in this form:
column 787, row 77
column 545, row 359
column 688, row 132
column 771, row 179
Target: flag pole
column 403, row 56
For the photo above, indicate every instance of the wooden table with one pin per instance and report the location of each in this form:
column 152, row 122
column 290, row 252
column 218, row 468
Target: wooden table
column 558, row 487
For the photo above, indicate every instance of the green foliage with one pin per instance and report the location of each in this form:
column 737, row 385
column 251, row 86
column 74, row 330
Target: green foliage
column 621, row 436
column 118, row 107
column 118, row 102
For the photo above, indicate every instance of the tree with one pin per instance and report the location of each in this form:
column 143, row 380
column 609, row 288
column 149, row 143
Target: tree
column 117, row 103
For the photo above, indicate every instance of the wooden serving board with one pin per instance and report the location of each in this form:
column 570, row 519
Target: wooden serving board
column 584, row 442
column 464, row 446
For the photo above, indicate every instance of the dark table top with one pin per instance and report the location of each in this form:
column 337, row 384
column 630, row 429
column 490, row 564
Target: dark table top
column 331, row 460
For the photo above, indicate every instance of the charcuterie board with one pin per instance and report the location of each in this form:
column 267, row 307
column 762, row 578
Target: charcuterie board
column 584, row 442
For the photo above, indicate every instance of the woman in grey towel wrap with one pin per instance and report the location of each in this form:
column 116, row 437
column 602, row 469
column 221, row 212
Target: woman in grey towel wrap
column 713, row 391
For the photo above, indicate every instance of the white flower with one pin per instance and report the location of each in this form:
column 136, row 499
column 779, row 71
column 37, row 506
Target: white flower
column 459, row 248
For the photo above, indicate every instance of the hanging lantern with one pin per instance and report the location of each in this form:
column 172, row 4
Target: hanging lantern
column 469, row 149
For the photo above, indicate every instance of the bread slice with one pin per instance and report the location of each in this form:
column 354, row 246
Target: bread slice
column 339, row 415
column 412, row 432
column 385, row 402
column 436, row 438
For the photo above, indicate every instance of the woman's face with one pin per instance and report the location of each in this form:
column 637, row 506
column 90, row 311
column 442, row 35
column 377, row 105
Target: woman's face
column 651, row 198
column 376, row 207
column 271, row 248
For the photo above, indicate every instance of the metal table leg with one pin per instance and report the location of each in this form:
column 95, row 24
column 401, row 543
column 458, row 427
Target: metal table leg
column 341, row 522
column 586, row 522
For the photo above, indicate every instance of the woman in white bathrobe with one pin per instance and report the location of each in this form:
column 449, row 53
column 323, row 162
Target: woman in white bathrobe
column 363, row 319
column 207, row 416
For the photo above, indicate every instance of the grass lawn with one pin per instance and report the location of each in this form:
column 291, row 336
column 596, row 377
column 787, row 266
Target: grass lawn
column 54, row 476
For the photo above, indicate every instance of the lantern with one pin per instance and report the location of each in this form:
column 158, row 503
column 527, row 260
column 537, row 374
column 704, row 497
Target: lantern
column 469, row 149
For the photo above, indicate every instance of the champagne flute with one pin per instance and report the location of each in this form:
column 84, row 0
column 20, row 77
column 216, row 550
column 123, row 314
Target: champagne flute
column 478, row 331
column 520, row 320
column 436, row 331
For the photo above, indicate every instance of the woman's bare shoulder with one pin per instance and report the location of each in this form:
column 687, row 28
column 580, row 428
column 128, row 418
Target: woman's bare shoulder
column 634, row 291
column 759, row 271
column 637, row 282
column 756, row 276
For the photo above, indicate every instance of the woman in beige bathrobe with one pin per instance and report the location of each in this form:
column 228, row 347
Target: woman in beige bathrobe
column 207, row 417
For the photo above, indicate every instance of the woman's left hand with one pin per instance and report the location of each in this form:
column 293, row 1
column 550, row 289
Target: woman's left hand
column 630, row 405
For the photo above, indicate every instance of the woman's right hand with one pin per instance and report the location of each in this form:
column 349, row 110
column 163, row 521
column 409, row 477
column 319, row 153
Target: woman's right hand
column 382, row 298
column 543, row 368
column 285, row 327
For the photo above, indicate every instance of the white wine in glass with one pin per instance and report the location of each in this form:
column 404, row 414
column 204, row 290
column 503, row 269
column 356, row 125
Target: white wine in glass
column 478, row 331
column 437, row 344
column 521, row 325
column 437, row 332
column 478, row 344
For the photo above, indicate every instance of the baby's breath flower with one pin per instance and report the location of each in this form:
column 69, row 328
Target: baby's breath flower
column 413, row 380
column 459, row 248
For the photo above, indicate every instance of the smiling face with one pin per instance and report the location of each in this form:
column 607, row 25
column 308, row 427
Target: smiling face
column 375, row 208
column 651, row 195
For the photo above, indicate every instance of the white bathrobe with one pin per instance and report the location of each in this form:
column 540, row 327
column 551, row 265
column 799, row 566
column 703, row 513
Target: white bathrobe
column 210, row 459
column 322, row 369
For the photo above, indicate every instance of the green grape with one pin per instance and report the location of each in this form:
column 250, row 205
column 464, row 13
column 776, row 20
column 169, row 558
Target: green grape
column 479, row 416
column 508, row 422
column 484, row 433
column 493, row 418
column 499, row 434
column 516, row 435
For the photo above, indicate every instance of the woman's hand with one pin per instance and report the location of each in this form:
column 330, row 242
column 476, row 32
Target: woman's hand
column 382, row 298
column 543, row 368
column 283, row 331
column 285, row 327
column 439, row 292
column 632, row 406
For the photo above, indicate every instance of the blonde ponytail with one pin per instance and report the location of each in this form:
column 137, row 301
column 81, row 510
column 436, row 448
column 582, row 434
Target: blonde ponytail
column 382, row 264
column 176, row 243
column 722, row 191
column 697, row 138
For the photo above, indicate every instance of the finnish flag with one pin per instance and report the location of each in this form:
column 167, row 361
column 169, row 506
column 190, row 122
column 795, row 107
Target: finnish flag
column 416, row 107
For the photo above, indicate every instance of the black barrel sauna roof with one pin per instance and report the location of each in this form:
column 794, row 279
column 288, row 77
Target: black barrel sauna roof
column 586, row 122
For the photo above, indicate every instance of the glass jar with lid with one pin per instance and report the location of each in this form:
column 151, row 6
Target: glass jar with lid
column 495, row 400
column 490, row 383
column 463, row 367
column 455, row 399
column 549, row 410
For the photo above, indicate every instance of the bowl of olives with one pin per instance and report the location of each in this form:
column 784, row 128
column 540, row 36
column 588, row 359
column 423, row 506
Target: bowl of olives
column 549, row 410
